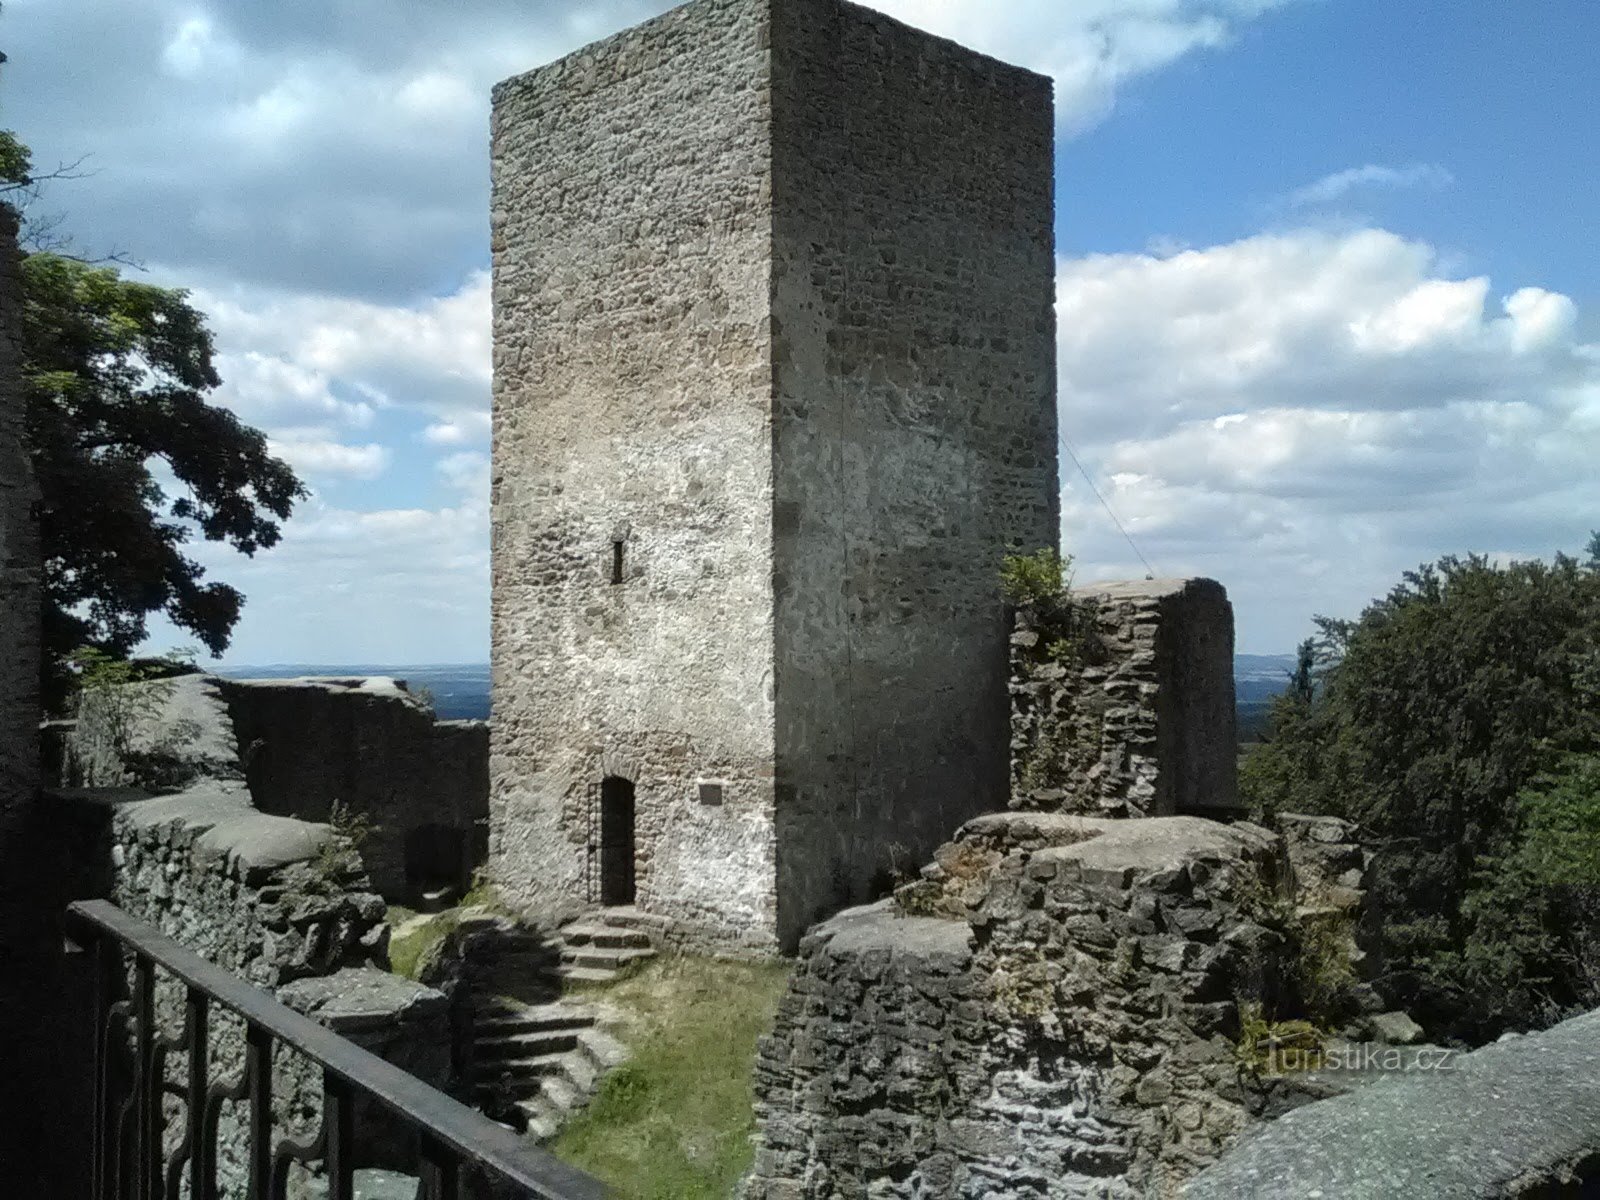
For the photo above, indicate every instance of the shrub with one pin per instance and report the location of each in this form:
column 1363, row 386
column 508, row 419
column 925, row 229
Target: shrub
column 1425, row 722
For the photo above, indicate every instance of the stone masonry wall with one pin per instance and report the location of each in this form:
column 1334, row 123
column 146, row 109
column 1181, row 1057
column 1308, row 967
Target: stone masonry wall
column 284, row 906
column 1122, row 704
column 631, row 232
column 914, row 432
column 774, row 350
column 1049, row 1012
column 304, row 746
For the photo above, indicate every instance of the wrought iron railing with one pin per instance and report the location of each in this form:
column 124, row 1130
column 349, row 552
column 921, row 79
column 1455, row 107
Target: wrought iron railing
column 134, row 1158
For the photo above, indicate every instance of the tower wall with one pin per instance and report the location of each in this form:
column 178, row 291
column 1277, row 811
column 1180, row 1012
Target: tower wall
column 915, row 433
column 773, row 310
column 631, row 231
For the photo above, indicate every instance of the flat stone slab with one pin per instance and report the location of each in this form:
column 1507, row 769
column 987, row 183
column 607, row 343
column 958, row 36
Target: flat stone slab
column 202, row 807
column 362, row 998
column 254, row 841
column 882, row 926
column 1499, row 1121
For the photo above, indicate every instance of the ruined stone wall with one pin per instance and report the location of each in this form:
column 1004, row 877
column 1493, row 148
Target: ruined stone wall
column 1050, row 1012
column 284, row 906
column 914, row 432
column 303, row 746
column 631, row 232
column 1122, row 703
column 377, row 751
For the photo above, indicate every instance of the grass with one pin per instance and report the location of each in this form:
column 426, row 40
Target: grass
column 411, row 941
column 675, row 1121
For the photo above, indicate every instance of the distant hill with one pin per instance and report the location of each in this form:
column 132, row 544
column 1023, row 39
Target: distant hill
column 1257, row 678
column 461, row 690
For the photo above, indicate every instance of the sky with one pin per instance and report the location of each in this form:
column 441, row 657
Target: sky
column 1328, row 293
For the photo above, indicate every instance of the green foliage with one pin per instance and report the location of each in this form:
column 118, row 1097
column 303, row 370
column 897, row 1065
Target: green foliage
column 118, row 702
column 1532, row 918
column 675, row 1121
column 1424, row 721
column 1266, row 1047
column 16, row 163
column 1039, row 580
column 414, row 941
column 116, row 375
column 340, row 856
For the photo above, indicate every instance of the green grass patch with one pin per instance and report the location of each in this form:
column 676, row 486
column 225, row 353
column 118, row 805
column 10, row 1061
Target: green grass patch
column 413, row 938
column 674, row 1122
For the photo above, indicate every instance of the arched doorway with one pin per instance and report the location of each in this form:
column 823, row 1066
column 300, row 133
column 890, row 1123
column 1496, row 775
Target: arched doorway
column 616, row 841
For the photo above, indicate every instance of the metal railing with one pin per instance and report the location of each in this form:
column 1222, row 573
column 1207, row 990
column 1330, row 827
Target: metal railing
column 135, row 1160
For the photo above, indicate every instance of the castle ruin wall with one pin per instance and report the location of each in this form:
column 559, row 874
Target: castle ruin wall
column 1049, row 1012
column 631, row 229
column 1122, row 701
column 914, row 433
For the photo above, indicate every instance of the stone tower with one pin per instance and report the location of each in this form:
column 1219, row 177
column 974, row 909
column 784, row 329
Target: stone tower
column 774, row 390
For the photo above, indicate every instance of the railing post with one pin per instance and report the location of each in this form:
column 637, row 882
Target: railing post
column 338, row 1125
column 441, row 1171
column 199, row 1065
column 107, row 976
column 258, row 1079
column 147, row 1085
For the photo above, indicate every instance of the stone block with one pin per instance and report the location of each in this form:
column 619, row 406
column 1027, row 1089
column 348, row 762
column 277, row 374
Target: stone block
column 1124, row 706
column 746, row 557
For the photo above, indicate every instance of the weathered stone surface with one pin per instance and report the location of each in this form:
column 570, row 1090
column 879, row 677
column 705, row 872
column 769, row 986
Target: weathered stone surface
column 171, row 731
column 287, row 907
column 304, row 746
column 1395, row 1028
column 354, row 999
column 1518, row 1118
column 774, row 340
column 1055, row 1021
column 252, row 842
column 1136, row 717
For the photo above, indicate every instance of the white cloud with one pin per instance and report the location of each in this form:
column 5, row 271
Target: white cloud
column 1090, row 47
column 461, row 430
column 288, row 358
column 1335, row 187
column 1305, row 415
column 316, row 457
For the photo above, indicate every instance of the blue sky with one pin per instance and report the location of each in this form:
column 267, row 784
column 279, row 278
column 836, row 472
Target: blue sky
column 1327, row 290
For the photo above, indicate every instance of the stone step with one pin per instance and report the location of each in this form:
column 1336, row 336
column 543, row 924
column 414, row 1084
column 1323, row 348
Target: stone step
column 601, row 1049
column 587, row 974
column 521, row 1076
column 590, row 933
column 542, row 1122
column 562, row 1094
column 523, row 1043
column 493, row 1016
column 604, row 956
column 511, row 1072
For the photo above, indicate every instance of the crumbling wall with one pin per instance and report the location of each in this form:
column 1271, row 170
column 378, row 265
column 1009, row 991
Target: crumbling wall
column 1122, row 701
column 285, row 905
column 420, row 787
column 1050, row 1011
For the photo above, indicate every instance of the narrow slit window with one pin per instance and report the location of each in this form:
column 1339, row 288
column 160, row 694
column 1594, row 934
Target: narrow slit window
column 616, row 562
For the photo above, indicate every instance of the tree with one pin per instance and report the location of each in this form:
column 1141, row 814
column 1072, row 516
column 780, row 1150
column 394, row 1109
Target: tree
column 132, row 461
column 116, row 374
column 1435, row 711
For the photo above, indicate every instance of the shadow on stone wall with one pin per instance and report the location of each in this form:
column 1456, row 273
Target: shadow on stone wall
column 363, row 753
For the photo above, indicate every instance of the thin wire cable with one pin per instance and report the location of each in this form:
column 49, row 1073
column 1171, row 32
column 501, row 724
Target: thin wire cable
column 1150, row 572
